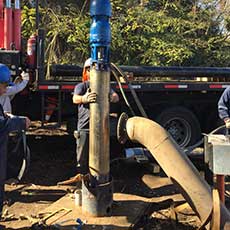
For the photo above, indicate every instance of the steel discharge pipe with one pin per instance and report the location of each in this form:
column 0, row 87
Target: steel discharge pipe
column 175, row 164
column 99, row 126
column 97, row 191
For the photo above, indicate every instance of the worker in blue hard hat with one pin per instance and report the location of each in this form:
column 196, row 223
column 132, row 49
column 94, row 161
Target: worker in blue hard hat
column 83, row 96
column 18, row 85
column 5, row 75
column 7, row 125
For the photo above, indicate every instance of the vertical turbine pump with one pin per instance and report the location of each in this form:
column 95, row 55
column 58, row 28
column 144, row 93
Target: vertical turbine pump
column 97, row 192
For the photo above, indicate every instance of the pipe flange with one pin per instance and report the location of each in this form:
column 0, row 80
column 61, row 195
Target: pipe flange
column 121, row 128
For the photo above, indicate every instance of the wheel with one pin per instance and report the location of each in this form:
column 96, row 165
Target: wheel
column 18, row 156
column 182, row 124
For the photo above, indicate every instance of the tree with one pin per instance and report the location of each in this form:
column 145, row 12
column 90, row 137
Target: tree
column 169, row 33
column 144, row 32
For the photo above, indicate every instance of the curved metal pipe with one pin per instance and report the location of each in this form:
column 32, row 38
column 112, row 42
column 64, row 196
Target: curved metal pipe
column 175, row 164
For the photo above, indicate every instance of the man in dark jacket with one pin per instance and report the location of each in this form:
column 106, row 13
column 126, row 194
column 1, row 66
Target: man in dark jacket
column 8, row 123
column 224, row 107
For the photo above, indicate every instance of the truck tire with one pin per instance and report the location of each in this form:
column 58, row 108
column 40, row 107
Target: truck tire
column 182, row 124
column 18, row 156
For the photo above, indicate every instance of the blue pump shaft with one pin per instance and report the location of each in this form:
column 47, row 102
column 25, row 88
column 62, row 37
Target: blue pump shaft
column 100, row 33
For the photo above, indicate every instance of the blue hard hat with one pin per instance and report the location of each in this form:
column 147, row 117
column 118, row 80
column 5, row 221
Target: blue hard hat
column 5, row 74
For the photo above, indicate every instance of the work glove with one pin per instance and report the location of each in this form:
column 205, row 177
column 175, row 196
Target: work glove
column 227, row 123
column 18, row 80
column 113, row 98
column 25, row 76
column 89, row 97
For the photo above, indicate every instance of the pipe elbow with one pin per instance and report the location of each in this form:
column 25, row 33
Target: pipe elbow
column 145, row 131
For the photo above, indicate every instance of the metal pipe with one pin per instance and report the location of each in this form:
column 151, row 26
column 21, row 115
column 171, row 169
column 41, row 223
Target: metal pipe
column 98, row 191
column 37, row 15
column 1, row 24
column 17, row 25
column 220, row 184
column 155, row 71
column 40, row 54
column 177, row 71
column 99, row 126
column 8, row 30
column 17, row 4
column 100, row 38
column 66, row 70
column 174, row 163
column 8, row 4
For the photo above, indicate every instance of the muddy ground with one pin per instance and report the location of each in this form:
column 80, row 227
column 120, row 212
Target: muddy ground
column 53, row 160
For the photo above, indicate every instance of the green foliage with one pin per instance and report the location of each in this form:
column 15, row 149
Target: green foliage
column 171, row 33
column 28, row 21
column 147, row 32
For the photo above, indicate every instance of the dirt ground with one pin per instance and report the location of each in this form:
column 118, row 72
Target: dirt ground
column 53, row 160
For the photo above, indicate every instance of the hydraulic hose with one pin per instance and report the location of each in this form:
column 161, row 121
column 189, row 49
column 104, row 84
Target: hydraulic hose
column 122, row 91
column 175, row 164
column 189, row 149
column 139, row 105
column 217, row 129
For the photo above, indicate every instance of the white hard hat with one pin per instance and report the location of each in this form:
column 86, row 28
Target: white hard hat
column 87, row 62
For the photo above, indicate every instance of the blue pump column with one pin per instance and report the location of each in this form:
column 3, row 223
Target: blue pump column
column 97, row 191
column 100, row 33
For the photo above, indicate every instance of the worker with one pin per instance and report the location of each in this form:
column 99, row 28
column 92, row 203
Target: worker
column 20, row 83
column 224, row 108
column 83, row 96
column 8, row 123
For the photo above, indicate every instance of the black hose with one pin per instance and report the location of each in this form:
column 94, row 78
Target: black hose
column 122, row 92
column 139, row 105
